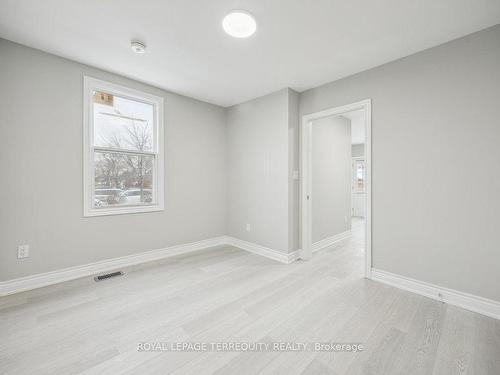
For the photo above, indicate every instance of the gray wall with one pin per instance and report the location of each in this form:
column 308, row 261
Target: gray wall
column 41, row 166
column 358, row 150
column 435, row 161
column 293, row 165
column 331, row 177
column 258, row 177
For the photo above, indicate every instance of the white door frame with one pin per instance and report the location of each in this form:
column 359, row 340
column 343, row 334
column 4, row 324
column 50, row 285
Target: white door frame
column 306, row 180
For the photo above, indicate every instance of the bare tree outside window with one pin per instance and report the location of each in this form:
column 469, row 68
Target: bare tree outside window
column 123, row 178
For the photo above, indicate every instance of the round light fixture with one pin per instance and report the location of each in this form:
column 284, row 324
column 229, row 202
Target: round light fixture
column 239, row 24
column 137, row 47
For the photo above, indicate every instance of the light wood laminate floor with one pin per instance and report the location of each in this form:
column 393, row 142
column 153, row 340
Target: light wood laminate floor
column 225, row 294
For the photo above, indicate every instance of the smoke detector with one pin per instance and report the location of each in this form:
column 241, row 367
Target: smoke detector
column 137, row 46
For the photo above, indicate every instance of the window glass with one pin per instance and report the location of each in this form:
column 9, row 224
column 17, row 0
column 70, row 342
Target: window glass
column 360, row 176
column 122, row 123
column 122, row 179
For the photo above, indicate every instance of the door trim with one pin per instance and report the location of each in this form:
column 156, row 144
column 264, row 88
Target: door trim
column 306, row 180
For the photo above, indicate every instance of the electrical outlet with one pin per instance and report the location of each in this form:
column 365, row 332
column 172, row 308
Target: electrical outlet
column 249, row 228
column 23, row 251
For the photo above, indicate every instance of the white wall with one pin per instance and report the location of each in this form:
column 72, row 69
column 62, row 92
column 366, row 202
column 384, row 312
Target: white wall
column 293, row 165
column 258, row 177
column 435, row 161
column 358, row 150
column 41, row 170
column 331, row 177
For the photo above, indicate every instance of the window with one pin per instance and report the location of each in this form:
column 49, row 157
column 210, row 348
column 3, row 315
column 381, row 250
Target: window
column 359, row 184
column 123, row 150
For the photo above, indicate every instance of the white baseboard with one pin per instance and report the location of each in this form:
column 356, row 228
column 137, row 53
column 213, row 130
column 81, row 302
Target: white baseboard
column 262, row 250
column 71, row 273
column 293, row 256
column 327, row 242
column 43, row 279
column 466, row 301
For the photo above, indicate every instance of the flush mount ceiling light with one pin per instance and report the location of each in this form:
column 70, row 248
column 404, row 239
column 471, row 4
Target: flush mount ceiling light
column 239, row 24
column 137, row 46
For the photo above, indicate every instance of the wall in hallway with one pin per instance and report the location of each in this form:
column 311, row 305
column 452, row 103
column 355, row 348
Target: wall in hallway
column 331, row 177
column 358, row 150
column 293, row 165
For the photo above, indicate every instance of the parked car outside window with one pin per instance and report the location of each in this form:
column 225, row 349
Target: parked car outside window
column 137, row 196
column 107, row 196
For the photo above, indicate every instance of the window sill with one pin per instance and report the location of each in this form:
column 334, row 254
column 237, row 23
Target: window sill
column 121, row 211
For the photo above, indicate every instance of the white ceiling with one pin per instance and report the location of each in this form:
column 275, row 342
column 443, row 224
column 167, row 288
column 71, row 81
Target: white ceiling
column 298, row 43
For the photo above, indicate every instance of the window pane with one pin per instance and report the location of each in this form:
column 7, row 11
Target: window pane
column 360, row 176
column 122, row 123
column 123, row 179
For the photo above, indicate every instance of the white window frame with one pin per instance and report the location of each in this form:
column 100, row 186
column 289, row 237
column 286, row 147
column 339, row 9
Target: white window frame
column 90, row 85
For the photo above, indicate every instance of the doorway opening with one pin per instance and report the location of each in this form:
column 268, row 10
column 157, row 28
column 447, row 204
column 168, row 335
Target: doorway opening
column 336, row 179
